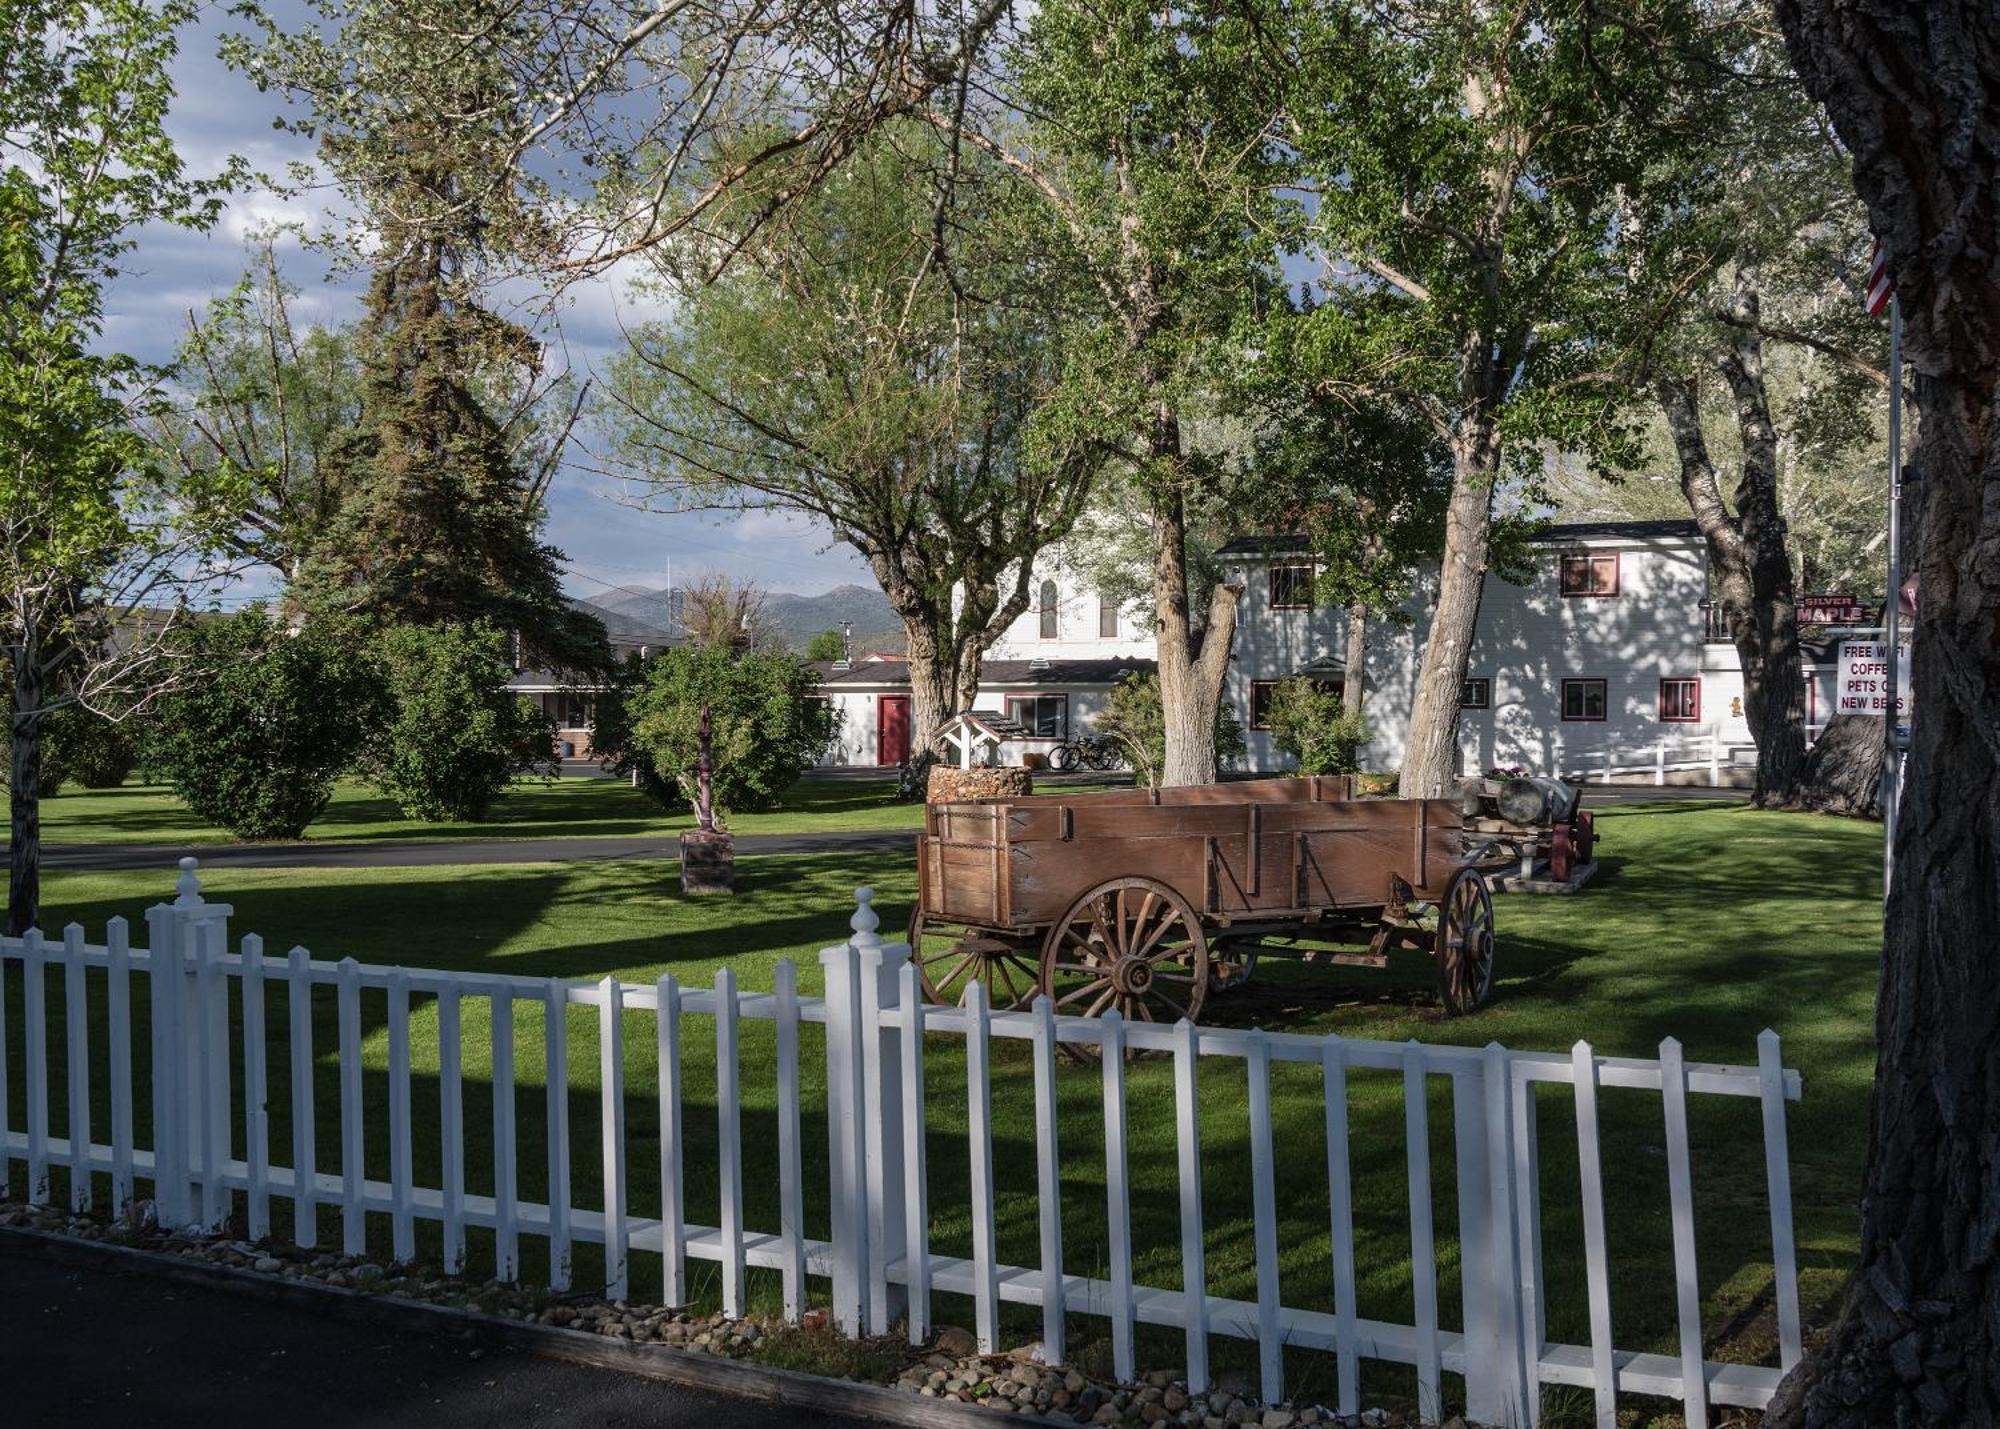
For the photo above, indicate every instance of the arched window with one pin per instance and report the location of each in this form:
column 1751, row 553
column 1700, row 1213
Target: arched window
column 1048, row 610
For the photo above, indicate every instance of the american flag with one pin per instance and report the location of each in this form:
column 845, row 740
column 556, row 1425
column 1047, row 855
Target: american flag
column 1880, row 287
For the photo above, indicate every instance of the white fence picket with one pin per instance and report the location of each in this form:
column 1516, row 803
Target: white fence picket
column 673, row 1203
column 1118, row 1201
column 916, row 1188
column 118, row 1029
column 1778, row 1184
column 1264, row 1223
column 979, row 1125
column 555, row 1046
column 76, row 1027
column 451, row 1130
column 1048, row 1181
column 611, row 1080
column 1680, row 1192
column 1340, row 1179
column 791, row 1169
column 353, row 1214
column 305, row 1173
column 506, row 1174
column 1596, row 1259
column 402, row 1194
column 877, row 1027
column 729, row 1140
column 1423, row 1250
column 1194, row 1260
column 35, row 1048
column 256, row 1115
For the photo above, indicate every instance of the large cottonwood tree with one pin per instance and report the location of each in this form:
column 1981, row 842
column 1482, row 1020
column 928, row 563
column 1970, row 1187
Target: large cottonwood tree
column 1913, row 87
column 1467, row 164
column 875, row 363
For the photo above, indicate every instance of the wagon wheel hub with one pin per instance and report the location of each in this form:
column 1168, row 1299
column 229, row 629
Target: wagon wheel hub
column 1132, row 977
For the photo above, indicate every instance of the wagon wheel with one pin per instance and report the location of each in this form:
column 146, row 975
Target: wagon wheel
column 1130, row 944
column 1233, row 962
column 1465, row 942
column 949, row 963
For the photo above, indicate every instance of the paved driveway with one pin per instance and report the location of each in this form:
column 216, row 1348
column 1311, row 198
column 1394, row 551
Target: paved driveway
column 89, row 1348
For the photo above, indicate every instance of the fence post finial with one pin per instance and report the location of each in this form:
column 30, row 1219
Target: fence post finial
column 865, row 921
column 188, row 885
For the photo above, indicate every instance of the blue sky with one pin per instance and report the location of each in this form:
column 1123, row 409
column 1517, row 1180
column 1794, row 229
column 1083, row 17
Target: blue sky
column 219, row 113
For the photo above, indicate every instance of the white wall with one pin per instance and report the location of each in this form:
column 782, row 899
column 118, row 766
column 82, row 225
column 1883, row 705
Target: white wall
column 1530, row 638
column 1076, row 624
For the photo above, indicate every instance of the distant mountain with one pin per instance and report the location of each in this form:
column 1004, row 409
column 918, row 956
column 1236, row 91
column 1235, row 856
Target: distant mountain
column 797, row 617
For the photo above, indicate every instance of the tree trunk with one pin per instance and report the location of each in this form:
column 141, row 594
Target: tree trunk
column 1754, row 593
column 24, row 801
column 1353, row 683
column 1192, row 672
column 1911, row 88
column 1776, row 703
column 1844, row 770
column 1430, row 762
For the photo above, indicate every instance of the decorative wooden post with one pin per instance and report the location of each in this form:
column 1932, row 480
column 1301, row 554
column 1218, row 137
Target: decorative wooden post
column 708, row 854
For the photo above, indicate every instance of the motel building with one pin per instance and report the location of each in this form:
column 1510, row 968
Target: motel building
column 1608, row 652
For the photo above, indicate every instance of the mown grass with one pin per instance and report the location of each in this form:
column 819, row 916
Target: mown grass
column 529, row 809
column 1707, row 923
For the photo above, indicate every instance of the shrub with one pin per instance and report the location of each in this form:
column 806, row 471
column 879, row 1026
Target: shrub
column 765, row 727
column 1133, row 716
column 98, row 753
column 456, row 735
column 1309, row 723
column 263, row 723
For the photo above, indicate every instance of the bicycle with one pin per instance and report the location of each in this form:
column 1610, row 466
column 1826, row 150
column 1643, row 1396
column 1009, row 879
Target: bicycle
column 1090, row 750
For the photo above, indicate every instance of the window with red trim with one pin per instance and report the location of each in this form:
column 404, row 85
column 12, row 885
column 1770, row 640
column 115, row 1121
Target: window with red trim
column 1586, row 573
column 1680, row 700
column 1583, row 700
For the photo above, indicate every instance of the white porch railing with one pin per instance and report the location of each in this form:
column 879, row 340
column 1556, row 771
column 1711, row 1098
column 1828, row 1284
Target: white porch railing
column 212, row 1146
column 1676, row 754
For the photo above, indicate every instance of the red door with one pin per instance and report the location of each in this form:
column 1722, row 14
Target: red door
column 892, row 729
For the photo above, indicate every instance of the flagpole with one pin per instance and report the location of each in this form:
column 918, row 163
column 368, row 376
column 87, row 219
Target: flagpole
column 1892, row 755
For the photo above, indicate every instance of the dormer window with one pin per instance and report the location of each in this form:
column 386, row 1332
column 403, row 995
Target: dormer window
column 1292, row 587
column 1590, row 573
column 1047, row 609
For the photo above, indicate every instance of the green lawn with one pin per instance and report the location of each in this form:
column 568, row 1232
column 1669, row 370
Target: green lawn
column 1707, row 922
column 534, row 808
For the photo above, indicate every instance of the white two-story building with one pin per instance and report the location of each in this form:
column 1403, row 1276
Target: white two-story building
column 1608, row 647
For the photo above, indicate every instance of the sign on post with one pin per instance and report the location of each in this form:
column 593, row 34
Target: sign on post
column 1864, row 678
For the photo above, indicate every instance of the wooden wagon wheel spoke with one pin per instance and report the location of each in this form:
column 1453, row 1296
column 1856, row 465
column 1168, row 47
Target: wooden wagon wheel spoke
column 1139, row 944
column 1464, row 942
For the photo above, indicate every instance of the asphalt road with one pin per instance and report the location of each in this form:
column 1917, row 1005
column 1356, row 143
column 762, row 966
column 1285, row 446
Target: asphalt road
column 87, row 1348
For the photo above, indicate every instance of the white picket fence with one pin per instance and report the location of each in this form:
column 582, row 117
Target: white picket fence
column 1677, row 754
column 211, row 1146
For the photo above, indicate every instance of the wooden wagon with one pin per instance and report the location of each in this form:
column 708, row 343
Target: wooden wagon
column 1147, row 900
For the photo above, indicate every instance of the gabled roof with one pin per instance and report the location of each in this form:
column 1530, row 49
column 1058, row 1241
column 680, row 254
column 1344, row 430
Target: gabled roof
column 1297, row 545
column 993, row 674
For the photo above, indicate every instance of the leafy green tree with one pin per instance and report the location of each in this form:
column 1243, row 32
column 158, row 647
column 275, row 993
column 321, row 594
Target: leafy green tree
column 438, row 517
column 87, row 531
column 842, row 370
column 1311, row 723
column 1465, row 165
column 456, row 735
column 827, row 645
column 766, row 729
column 264, row 405
column 1134, row 715
column 254, row 738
